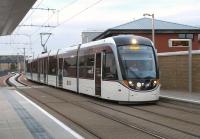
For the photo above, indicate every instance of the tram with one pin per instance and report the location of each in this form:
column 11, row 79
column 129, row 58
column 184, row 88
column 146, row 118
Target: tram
column 122, row 68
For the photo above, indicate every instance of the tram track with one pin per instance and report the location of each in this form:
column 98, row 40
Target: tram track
column 52, row 109
column 17, row 79
column 124, row 121
column 181, row 103
column 87, row 107
column 61, row 114
column 148, row 120
column 8, row 83
column 179, row 108
column 143, row 128
column 163, row 115
column 136, row 127
column 114, row 118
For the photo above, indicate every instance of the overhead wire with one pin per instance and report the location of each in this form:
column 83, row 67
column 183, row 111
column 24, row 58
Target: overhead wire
column 26, row 18
column 85, row 9
column 64, row 7
column 75, row 15
column 49, row 17
column 68, row 19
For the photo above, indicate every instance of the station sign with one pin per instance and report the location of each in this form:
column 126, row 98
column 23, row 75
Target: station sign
column 179, row 42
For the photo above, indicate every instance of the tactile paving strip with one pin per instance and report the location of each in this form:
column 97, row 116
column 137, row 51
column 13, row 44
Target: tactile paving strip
column 30, row 122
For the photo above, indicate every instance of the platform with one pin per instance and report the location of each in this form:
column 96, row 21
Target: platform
column 20, row 118
column 184, row 96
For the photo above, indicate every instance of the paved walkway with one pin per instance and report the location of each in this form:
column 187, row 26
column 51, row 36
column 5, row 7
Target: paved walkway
column 22, row 119
column 181, row 95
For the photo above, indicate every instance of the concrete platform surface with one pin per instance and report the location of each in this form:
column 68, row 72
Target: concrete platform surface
column 181, row 96
column 20, row 118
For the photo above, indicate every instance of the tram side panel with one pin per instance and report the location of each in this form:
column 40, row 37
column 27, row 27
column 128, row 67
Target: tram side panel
column 28, row 75
column 86, row 74
column 111, row 88
column 28, row 72
column 34, row 70
column 52, row 70
column 93, row 62
column 41, row 70
column 45, row 69
column 60, row 71
column 70, row 72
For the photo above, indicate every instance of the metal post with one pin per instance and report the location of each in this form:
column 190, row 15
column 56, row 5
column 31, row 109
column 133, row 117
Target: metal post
column 33, row 54
column 153, row 30
column 18, row 62
column 190, row 67
column 24, row 60
column 153, row 26
column 57, row 67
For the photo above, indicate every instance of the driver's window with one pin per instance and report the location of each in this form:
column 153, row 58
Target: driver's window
column 109, row 67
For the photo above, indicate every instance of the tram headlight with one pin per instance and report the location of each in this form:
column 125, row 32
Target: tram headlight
column 134, row 41
column 155, row 82
column 131, row 84
column 147, row 85
column 139, row 85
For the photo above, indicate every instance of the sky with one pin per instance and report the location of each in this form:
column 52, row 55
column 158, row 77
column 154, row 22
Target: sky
column 71, row 17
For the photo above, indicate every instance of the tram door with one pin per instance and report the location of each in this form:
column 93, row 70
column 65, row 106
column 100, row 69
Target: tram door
column 98, row 74
column 60, row 75
column 38, row 64
column 42, row 70
column 45, row 69
column 31, row 70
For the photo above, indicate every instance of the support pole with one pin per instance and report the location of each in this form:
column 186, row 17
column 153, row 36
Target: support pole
column 24, row 60
column 190, row 67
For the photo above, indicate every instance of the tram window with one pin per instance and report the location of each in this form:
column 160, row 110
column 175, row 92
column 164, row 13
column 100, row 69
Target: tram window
column 41, row 66
column 34, row 67
column 52, row 66
column 45, row 65
column 109, row 67
column 69, row 69
column 86, row 66
column 28, row 66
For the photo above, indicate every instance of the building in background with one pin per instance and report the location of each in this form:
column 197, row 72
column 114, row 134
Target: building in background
column 88, row 36
column 163, row 32
column 11, row 63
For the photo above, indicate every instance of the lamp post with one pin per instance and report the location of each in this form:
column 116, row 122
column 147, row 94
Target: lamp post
column 153, row 26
